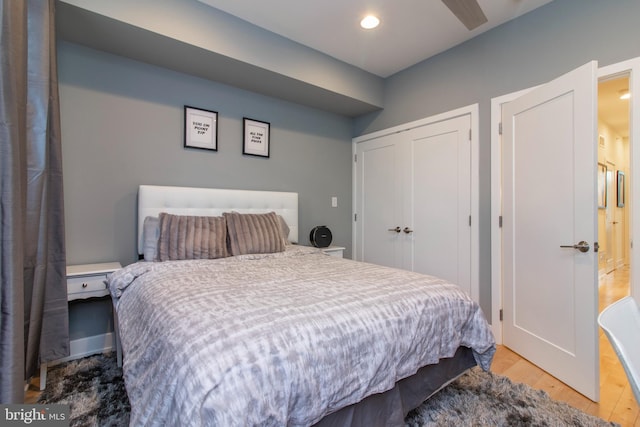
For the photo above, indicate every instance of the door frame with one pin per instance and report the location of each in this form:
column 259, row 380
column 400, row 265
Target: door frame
column 632, row 69
column 473, row 112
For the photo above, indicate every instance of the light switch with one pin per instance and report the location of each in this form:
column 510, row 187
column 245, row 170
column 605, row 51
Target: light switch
column 334, row 202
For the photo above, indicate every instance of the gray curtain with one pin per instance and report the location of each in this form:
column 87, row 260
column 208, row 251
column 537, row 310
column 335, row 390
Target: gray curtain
column 33, row 316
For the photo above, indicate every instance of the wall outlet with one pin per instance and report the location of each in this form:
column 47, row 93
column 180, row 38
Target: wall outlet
column 334, row 202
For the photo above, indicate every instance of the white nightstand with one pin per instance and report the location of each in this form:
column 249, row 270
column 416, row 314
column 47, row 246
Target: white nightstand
column 89, row 280
column 335, row 251
column 86, row 281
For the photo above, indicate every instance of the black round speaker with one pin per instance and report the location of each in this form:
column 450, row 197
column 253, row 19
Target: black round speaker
column 320, row 236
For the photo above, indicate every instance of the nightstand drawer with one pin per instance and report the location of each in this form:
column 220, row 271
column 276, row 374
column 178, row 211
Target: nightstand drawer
column 86, row 287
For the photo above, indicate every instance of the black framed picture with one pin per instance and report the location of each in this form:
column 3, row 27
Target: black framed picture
column 256, row 138
column 200, row 128
column 602, row 186
column 620, row 198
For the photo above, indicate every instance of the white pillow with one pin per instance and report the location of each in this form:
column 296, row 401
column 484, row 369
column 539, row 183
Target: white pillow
column 150, row 236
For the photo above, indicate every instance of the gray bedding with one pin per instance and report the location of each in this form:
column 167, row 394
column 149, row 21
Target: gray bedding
column 280, row 339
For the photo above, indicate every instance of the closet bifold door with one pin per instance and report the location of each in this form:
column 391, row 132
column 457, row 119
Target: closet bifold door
column 413, row 200
column 379, row 187
column 438, row 203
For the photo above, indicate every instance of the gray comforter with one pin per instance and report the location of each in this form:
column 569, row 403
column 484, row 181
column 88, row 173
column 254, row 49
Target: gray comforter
column 280, row 339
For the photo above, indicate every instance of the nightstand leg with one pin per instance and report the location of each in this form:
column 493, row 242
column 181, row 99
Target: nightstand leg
column 43, row 376
column 116, row 330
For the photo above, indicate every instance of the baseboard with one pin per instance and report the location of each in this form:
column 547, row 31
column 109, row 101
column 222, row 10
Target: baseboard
column 83, row 347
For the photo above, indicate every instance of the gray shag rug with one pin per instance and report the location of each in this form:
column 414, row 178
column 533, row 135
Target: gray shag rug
column 94, row 389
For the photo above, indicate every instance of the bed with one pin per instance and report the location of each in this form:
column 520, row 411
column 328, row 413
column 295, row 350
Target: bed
column 272, row 333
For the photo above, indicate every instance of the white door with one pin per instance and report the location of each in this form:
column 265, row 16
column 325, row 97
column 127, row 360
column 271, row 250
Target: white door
column 439, row 205
column 413, row 200
column 549, row 201
column 378, row 201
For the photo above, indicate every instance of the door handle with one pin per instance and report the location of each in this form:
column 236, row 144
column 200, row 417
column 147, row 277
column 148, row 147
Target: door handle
column 582, row 246
column 407, row 230
column 397, row 229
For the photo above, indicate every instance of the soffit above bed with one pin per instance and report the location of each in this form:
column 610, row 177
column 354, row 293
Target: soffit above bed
column 190, row 37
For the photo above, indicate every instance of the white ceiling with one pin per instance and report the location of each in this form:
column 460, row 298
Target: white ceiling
column 410, row 31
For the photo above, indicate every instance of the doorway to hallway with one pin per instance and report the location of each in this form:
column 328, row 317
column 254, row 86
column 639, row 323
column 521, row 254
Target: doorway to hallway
column 629, row 171
column 613, row 174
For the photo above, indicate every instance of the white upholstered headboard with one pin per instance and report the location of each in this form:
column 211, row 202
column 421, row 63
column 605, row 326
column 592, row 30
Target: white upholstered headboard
column 153, row 199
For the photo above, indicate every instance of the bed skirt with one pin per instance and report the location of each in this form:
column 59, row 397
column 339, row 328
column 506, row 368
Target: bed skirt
column 390, row 408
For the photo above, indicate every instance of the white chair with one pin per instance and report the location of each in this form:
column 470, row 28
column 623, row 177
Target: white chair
column 621, row 323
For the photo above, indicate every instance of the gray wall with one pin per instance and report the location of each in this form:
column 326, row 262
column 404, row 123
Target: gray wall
column 122, row 126
column 528, row 51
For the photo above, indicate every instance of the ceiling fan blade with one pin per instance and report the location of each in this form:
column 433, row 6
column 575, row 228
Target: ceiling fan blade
column 467, row 11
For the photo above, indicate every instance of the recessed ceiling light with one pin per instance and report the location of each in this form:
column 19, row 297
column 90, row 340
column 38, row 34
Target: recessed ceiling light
column 625, row 94
column 369, row 22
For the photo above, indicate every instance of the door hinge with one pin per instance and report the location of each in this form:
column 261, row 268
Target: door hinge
column 469, row 134
column 355, row 158
column 596, row 246
column 355, row 216
column 501, row 315
column 500, row 128
column 469, row 220
column 500, row 221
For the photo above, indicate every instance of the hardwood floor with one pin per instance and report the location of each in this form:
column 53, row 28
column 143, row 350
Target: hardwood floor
column 616, row 399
